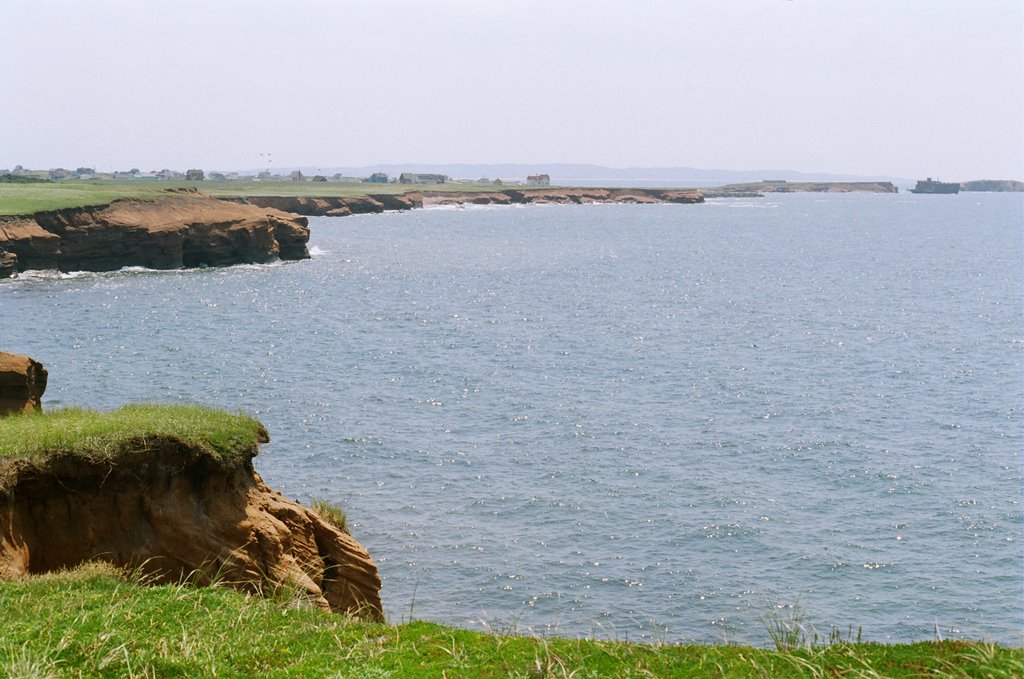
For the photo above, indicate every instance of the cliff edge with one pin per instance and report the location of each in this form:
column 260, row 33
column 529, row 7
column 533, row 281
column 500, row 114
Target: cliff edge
column 181, row 228
column 172, row 491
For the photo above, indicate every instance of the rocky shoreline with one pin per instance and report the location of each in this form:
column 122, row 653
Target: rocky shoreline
column 377, row 203
column 758, row 189
column 184, row 228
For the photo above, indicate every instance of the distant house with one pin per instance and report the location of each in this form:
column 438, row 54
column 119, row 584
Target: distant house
column 297, row 176
column 194, row 175
column 417, row 178
column 538, row 180
column 60, row 173
column 378, row 178
column 498, row 182
column 169, row 174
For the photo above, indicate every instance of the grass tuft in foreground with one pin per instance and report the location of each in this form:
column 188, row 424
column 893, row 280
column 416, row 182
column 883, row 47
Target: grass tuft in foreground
column 334, row 516
column 96, row 622
column 225, row 437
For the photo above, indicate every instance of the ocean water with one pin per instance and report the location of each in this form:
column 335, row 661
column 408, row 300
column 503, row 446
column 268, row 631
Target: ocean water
column 654, row 423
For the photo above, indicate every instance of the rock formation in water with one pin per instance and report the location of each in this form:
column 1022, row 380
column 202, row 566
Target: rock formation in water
column 22, row 383
column 177, row 513
column 181, row 228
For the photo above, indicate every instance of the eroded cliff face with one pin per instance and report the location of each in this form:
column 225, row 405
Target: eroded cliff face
column 175, row 513
column 180, row 229
column 22, row 383
column 337, row 206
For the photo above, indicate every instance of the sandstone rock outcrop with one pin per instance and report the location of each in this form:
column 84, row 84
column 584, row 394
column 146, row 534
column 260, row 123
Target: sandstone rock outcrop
column 179, row 229
column 175, row 512
column 337, row 206
column 22, row 383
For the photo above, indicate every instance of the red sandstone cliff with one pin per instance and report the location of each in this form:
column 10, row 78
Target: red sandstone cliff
column 337, row 206
column 180, row 228
column 22, row 383
column 177, row 513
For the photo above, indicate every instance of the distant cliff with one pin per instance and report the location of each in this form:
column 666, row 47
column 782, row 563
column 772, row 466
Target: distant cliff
column 1000, row 185
column 335, row 206
column 181, row 228
column 781, row 186
column 374, row 203
column 565, row 196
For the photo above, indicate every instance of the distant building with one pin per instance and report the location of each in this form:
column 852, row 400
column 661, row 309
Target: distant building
column 417, row 178
column 538, row 180
column 297, row 176
column 378, row 178
column 498, row 182
column 194, row 175
column 319, row 178
column 60, row 173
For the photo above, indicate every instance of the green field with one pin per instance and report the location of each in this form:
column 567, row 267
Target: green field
column 95, row 622
column 224, row 437
column 19, row 199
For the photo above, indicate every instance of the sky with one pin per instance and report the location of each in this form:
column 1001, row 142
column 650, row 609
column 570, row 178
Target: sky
column 898, row 88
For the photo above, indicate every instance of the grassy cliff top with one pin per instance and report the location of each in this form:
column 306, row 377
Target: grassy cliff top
column 23, row 199
column 95, row 435
column 94, row 622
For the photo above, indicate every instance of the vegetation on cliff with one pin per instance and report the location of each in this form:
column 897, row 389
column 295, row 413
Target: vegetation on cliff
column 225, row 437
column 97, row 622
column 23, row 199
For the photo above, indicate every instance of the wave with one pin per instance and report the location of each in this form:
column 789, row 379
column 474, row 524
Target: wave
column 131, row 271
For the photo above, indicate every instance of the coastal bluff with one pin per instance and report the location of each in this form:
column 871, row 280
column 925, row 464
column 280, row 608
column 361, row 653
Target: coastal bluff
column 173, row 506
column 343, row 206
column 178, row 228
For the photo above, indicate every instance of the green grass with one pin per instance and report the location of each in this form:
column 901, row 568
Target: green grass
column 96, row 435
column 20, row 199
column 332, row 515
column 95, row 622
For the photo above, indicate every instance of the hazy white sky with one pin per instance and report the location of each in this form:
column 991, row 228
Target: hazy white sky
column 895, row 87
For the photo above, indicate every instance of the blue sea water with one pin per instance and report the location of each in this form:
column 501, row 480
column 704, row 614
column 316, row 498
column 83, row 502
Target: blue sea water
column 655, row 422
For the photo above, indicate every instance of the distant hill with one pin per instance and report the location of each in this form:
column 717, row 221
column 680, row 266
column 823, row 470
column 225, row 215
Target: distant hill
column 992, row 185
